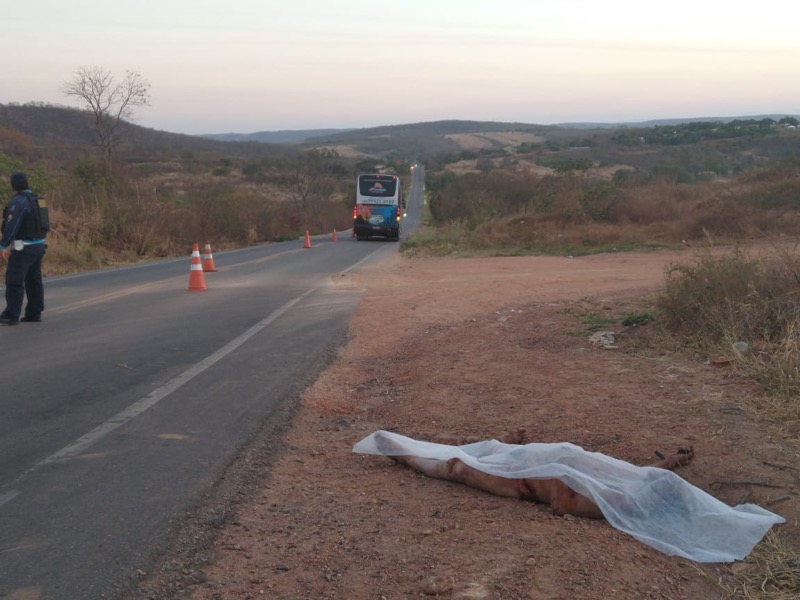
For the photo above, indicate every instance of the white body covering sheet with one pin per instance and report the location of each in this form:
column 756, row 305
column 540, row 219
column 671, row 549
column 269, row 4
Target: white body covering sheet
column 655, row 506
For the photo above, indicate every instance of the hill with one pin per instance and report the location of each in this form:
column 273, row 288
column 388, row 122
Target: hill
column 425, row 141
column 666, row 122
column 696, row 146
column 50, row 126
column 287, row 136
column 57, row 128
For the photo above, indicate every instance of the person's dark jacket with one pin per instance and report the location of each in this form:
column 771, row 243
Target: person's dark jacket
column 20, row 220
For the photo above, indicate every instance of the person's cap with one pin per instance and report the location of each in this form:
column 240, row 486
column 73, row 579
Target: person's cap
column 19, row 182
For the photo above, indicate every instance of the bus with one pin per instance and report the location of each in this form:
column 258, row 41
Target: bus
column 379, row 205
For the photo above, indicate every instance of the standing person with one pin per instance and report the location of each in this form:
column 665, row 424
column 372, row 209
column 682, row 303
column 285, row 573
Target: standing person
column 22, row 246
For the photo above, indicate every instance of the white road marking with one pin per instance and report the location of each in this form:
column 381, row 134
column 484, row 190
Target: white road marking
column 137, row 408
column 8, row 496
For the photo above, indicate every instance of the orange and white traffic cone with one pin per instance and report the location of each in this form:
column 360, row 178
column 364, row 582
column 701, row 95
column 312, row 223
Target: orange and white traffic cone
column 307, row 243
column 208, row 259
column 197, row 282
column 334, row 237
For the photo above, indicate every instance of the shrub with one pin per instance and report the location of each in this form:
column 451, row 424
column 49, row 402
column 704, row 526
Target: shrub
column 719, row 299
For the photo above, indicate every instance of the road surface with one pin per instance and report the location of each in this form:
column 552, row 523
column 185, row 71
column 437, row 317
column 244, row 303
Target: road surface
column 125, row 406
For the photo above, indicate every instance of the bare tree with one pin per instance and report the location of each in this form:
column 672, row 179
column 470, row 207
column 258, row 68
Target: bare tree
column 110, row 102
column 312, row 181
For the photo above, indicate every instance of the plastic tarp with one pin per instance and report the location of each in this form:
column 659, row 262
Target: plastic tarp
column 655, row 506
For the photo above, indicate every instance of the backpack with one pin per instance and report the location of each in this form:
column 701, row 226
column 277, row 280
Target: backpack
column 41, row 216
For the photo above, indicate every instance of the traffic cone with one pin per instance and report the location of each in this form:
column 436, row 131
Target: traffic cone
column 307, row 243
column 208, row 259
column 333, row 237
column 197, row 282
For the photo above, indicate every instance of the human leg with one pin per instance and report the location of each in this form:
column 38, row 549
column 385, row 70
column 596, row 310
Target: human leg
column 34, row 289
column 15, row 288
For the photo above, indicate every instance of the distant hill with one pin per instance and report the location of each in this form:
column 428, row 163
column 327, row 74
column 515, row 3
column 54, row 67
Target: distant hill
column 425, row 130
column 450, row 127
column 424, row 140
column 666, row 122
column 57, row 128
column 286, row 136
column 61, row 128
column 438, row 138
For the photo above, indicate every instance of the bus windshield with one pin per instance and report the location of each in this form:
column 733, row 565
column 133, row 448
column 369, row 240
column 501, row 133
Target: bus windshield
column 371, row 186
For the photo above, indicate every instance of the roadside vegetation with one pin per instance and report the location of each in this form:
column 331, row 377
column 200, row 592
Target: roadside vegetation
column 159, row 193
column 745, row 305
column 738, row 292
column 147, row 211
column 742, row 302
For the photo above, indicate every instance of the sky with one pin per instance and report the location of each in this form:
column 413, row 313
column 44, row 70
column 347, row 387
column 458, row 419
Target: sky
column 268, row 65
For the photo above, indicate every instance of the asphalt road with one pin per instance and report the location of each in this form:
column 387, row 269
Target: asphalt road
column 126, row 405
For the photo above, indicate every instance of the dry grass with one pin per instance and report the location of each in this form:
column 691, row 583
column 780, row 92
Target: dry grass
column 489, row 139
column 526, row 235
column 718, row 300
column 137, row 218
column 776, row 367
column 771, row 572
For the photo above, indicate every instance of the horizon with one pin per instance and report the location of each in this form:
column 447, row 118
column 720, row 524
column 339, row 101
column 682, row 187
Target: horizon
column 777, row 115
column 610, row 124
column 353, row 65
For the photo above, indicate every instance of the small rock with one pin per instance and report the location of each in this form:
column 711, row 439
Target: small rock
column 438, row 584
column 606, row 339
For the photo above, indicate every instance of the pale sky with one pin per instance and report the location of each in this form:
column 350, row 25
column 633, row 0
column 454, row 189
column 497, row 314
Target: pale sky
column 263, row 65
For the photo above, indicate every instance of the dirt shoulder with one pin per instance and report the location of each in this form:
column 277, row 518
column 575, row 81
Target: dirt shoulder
column 473, row 348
